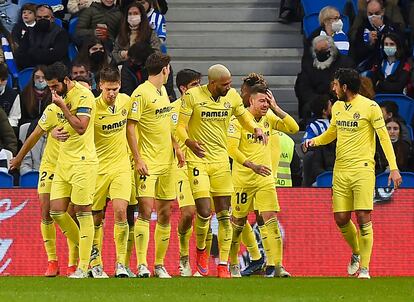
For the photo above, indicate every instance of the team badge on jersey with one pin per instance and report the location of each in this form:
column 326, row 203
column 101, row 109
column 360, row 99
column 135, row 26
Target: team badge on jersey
column 356, row 116
column 195, row 182
column 266, row 124
column 227, row 105
column 124, row 112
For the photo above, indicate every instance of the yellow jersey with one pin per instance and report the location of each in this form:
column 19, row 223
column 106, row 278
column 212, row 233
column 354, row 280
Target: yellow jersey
column 79, row 148
column 110, row 134
column 255, row 151
column 354, row 124
column 152, row 110
column 51, row 118
column 209, row 121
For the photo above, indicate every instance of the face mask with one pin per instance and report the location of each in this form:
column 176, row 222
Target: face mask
column 2, row 88
column 394, row 139
column 97, row 57
column 322, row 56
column 390, row 51
column 371, row 19
column 42, row 25
column 134, row 20
column 337, row 26
column 40, row 85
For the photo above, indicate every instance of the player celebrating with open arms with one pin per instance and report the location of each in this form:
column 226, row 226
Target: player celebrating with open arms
column 355, row 120
column 203, row 122
column 154, row 161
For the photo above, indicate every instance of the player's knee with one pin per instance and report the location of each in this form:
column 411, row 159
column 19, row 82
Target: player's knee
column 259, row 218
column 363, row 217
column 341, row 219
column 239, row 221
column 120, row 214
column 204, row 212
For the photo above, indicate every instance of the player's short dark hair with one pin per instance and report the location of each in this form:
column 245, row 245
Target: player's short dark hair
column 319, row 105
column 156, row 62
column 258, row 88
column 349, row 77
column 185, row 77
column 390, row 107
column 57, row 71
column 139, row 52
column 109, row 74
column 83, row 79
column 253, row 79
column 4, row 72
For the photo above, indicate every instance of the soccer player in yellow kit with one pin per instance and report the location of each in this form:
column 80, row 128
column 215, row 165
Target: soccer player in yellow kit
column 52, row 118
column 253, row 177
column 185, row 80
column 153, row 154
column 77, row 163
column 203, row 121
column 114, row 172
column 355, row 120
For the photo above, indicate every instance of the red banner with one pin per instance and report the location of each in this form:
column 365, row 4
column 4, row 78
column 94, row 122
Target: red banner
column 312, row 244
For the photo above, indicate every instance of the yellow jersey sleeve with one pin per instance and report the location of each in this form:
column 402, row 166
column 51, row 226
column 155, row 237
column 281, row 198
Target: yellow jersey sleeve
column 287, row 124
column 233, row 141
column 138, row 104
column 49, row 119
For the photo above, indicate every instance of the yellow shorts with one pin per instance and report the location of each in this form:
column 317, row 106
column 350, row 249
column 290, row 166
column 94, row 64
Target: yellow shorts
column 115, row 186
column 184, row 194
column 133, row 197
column 353, row 190
column 160, row 186
column 44, row 184
column 76, row 181
column 210, row 179
column 262, row 199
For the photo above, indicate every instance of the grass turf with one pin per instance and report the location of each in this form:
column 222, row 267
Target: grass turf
column 206, row 289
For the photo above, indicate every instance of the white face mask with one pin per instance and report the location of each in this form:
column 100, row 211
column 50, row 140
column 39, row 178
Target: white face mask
column 2, row 88
column 134, row 20
column 394, row 139
column 337, row 26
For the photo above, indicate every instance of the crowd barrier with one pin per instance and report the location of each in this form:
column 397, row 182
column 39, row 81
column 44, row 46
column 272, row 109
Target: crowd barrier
column 312, row 244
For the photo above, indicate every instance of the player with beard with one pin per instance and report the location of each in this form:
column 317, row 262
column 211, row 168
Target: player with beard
column 77, row 164
column 355, row 120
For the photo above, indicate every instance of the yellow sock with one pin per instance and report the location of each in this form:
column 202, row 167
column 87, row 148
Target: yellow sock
column 224, row 235
column 86, row 236
column 161, row 240
column 73, row 253
column 366, row 240
column 202, row 226
column 350, row 234
column 98, row 234
column 235, row 243
column 209, row 241
column 48, row 230
column 275, row 239
column 267, row 244
column 130, row 245
column 68, row 226
column 141, row 232
column 121, row 231
column 248, row 238
column 184, row 240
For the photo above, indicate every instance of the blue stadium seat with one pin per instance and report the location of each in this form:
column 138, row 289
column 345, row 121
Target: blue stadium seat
column 410, row 132
column 10, row 80
column 311, row 22
column 6, row 180
column 24, row 77
column 314, row 6
column 72, row 26
column 72, row 51
column 381, row 180
column 405, row 104
column 29, row 180
column 37, row 2
column 324, row 180
column 58, row 22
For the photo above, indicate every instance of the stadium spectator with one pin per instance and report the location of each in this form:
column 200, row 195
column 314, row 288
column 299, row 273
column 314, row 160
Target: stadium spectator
column 330, row 25
column 8, row 139
column 100, row 20
column 9, row 14
column 392, row 73
column 367, row 88
column 9, row 99
column 401, row 148
column 366, row 46
column 391, row 11
column 320, row 159
column 7, row 48
column 74, row 7
column 35, row 96
column 27, row 19
column 156, row 21
column 31, row 161
column 289, row 11
column 135, row 28
column 390, row 110
column 79, row 69
column 289, row 170
column 314, row 81
column 94, row 54
column 43, row 44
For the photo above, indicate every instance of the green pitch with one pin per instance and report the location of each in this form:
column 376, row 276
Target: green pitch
column 254, row 289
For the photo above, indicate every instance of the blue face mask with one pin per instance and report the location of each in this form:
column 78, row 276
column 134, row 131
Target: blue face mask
column 390, row 51
column 40, row 85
